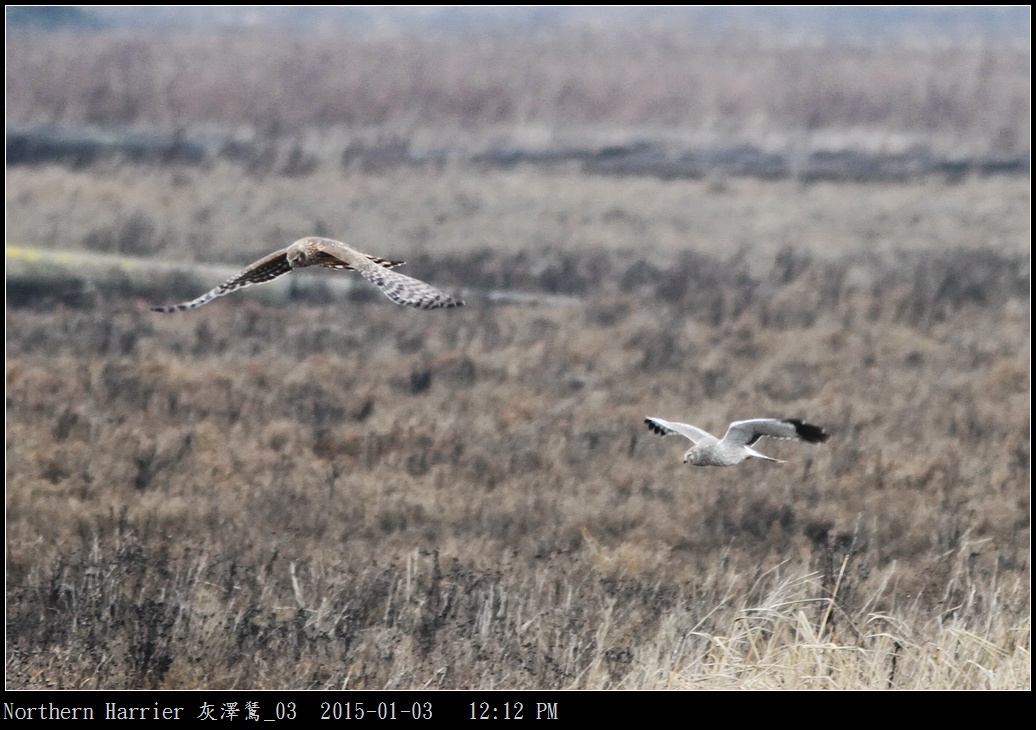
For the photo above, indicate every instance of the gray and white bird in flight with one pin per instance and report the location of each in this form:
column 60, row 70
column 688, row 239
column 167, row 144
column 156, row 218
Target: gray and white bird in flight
column 314, row 251
column 736, row 445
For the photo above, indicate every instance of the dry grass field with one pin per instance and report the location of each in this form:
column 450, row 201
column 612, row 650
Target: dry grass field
column 350, row 494
column 355, row 494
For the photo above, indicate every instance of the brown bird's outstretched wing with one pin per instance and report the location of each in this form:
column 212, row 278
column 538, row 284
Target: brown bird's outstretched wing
column 264, row 270
column 400, row 288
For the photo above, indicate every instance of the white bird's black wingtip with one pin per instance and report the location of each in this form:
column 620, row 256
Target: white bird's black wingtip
column 808, row 432
column 655, row 427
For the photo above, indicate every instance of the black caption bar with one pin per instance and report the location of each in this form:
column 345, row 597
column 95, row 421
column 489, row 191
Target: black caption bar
column 366, row 707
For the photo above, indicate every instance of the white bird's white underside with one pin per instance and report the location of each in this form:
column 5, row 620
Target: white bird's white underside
column 735, row 446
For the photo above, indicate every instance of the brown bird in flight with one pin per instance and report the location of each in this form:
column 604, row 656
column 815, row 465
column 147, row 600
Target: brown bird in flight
column 314, row 251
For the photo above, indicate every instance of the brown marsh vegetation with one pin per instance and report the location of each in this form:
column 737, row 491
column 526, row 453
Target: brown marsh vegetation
column 669, row 79
column 351, row 494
